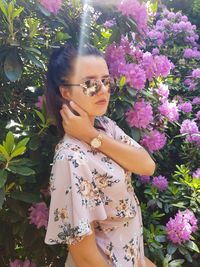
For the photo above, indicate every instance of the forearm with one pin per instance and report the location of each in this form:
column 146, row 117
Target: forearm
column 131, row 158
column 93, row 260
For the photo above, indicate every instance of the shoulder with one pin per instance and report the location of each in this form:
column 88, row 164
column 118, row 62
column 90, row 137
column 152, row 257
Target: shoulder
column 69, row 146
column 108, row 125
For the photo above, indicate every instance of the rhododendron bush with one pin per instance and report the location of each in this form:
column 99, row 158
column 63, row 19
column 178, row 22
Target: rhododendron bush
column 154, row 56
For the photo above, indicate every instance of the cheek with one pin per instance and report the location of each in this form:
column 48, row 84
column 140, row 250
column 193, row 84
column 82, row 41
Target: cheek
column 82, row 100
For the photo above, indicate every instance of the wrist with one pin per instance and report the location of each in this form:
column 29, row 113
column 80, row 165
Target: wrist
column 90, row 135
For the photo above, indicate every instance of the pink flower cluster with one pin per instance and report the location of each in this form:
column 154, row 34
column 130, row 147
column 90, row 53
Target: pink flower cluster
column 196, row 100
column 185, row 107
column 140, row 67
column 39, row 214
column 40, row 102
column 154, row 141
column 180, row 228
column 173, row 26
column 198, row 115
column 196, row 174
column 156, row 65
column 140, row 115
column 160, row 182
column 191, row 53
column 20, row 263
column 169, row 110
column 53, row 6
column 137, row 11
column 162, row 91
column 190, row 128
column 196, row 73
column 144, row 179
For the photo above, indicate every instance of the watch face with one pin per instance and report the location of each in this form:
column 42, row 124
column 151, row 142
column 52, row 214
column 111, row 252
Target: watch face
column 96, row 143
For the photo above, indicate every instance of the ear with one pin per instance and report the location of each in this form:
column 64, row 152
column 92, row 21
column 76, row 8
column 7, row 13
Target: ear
column 65, row 92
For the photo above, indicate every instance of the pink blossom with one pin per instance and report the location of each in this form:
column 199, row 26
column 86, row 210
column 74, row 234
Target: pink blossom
column 190, row 128
column 180, row 228
column 160, row 182
column 39, row 214
column 196, row 73
column 163, row 91
column 20, row 263
column 154, row 141
column 53, row 6
column 134, row 9
column 185, row 107
column 198, row 115
column 135, row 76
column 40, row 103
column 144, row 179
column 169, row 110
column 196, row 100
column 140, row 115
column 196, row 174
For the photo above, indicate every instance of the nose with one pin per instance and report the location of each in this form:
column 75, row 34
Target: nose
column 103, row 88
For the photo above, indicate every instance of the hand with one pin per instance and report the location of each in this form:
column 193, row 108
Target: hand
column 80, row 126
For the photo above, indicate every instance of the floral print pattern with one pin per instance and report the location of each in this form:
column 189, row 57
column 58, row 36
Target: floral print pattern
column 89, row 187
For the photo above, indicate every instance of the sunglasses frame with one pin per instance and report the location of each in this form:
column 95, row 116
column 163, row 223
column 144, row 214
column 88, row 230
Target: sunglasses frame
column 96, row 82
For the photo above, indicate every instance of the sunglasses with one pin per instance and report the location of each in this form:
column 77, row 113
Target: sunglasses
column 92, row 87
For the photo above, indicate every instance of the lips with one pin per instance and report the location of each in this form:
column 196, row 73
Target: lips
column 102, row 101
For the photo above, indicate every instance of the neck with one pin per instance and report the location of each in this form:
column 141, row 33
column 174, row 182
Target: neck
column 92, row 119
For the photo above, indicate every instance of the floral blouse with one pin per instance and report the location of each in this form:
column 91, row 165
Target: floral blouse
column 87, row 186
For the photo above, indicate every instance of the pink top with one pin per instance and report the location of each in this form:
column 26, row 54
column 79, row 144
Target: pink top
column 88, row 186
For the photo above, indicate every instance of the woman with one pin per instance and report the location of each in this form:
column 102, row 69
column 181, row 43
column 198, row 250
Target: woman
column 93, row 207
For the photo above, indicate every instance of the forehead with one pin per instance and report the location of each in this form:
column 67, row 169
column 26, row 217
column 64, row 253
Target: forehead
column 90, row 66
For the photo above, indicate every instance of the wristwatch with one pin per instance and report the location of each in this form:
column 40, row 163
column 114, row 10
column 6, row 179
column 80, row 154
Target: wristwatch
column 96, row 142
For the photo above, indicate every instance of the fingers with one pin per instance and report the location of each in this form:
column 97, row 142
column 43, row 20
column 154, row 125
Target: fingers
column 78, row 109
column 67, row 111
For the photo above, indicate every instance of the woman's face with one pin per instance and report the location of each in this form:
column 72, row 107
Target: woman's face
column 85, row 68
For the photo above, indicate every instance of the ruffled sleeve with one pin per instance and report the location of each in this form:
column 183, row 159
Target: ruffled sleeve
column 75, row 198
column 117, row 133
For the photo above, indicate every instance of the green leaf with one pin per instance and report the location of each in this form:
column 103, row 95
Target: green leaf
column 62, row 36
column 25, row 196
column 21, row 170
column 176, row 263
column 9, row 144
column 132, row 92
column 10, row 9
column 148, row 94
column 2, row 197
column 34, row 143
column 18, row 152
column 3, row 177
column 32, row 49
column 2, row 158
column 35, row 60
column 17, row 12
column 160, row 238
column 136, row 134
column 192, row 246
column 22, row 143
column 171, row 248
column 22, row 162
column 185, row 253
column 4, row 152
column 40, row 115
column 13, row 66
column 122, row 81
column 3, row 7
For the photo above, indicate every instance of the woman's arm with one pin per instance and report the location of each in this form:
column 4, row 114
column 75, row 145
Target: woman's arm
column 86, row 254
column 131, row 158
